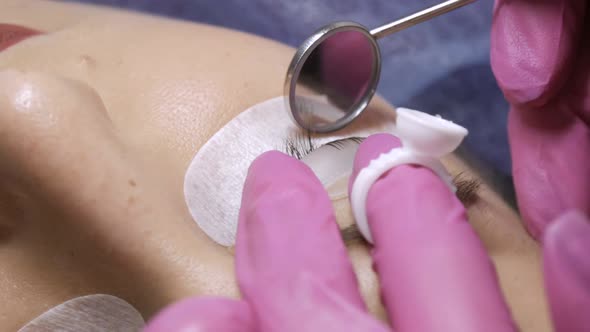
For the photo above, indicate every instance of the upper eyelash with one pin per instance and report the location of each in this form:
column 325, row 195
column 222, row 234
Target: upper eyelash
column 339, row 143
column 301, row 145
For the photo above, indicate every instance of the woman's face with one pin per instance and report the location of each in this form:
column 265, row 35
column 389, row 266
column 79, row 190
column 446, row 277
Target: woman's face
column 100, row 117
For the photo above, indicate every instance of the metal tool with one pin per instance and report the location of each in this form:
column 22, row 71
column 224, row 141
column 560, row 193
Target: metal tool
column 335, row 72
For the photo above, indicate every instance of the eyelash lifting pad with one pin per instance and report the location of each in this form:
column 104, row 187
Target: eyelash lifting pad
column 425, row 139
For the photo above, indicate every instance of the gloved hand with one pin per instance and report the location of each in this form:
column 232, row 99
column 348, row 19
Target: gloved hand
column 540, row 55
column 294, row 273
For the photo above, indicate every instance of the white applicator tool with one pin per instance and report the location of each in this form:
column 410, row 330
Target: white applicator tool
column 425, row 138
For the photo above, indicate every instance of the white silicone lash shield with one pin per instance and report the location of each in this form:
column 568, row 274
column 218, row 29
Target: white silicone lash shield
column 425, row 138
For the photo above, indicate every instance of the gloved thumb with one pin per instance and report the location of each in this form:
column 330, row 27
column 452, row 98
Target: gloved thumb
column 567, row 271
column 533, row 44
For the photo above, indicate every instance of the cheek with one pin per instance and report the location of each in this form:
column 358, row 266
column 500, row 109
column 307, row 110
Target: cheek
column 517, row 258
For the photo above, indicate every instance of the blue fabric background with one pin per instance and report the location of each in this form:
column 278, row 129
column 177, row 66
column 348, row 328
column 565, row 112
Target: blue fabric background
column 441, row 66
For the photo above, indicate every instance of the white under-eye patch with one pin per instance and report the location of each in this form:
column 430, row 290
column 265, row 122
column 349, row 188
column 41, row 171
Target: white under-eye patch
column 214, row 179
column 91, row 313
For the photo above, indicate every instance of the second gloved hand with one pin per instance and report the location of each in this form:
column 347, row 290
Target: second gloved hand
column 540, row 55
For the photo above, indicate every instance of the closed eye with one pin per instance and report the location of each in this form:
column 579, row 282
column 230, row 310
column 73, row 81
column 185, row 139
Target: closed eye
column 301, row 145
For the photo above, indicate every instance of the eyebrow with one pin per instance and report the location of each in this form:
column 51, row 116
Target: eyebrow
column 467, row 193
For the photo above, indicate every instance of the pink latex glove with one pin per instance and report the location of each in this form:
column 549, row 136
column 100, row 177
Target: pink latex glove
column 294, row 273
column 540, row 55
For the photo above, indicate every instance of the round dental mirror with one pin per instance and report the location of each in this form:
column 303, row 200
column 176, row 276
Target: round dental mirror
column 334, row 73
column 333, row 77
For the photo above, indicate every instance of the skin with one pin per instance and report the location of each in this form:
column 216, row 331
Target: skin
column 99, row 120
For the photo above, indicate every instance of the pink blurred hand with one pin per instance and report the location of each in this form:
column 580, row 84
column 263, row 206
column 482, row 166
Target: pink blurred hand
column 294, row 273
column 540, row 55
column 434, row 272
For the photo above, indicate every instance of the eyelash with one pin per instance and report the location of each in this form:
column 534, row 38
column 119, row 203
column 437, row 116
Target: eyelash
column 303, row 144
column 467, row 188
column 299, row 145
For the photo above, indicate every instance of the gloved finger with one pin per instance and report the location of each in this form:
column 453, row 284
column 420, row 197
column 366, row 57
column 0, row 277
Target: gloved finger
column 533, row 46
column 566, row 257
column 204, row 314
column 292, row 265
column 550, row 150
column 434, row 272
column 577, row 92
